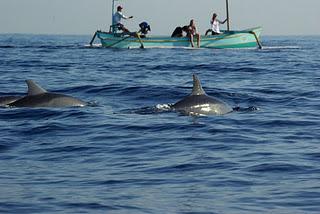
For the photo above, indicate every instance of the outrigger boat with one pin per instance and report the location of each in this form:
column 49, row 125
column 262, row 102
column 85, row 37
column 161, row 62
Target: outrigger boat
column 249, row 38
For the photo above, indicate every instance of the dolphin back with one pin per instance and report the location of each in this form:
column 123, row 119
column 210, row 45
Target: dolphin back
column 49, row 100
column 39, row 97
column 202, row 105
column 199, row 103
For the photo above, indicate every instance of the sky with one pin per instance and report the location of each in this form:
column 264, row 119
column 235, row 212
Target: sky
column 277, row 17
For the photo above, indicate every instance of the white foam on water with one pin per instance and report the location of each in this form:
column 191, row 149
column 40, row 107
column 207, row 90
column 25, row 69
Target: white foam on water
column 163, row 107
column 280, row 47
column 93, row 45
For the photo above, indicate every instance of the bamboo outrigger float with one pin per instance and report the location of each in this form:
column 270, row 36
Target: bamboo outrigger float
column 248, row 38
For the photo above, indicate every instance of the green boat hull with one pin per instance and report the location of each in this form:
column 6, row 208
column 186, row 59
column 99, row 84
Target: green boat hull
column 228, row 39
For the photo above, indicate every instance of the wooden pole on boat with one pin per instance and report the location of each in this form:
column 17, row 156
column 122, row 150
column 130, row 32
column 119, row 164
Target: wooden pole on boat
column 257, row 39
column 112, row 12
column 112, row 29
column 139, row 38
column 228, row 19
column 93, row 38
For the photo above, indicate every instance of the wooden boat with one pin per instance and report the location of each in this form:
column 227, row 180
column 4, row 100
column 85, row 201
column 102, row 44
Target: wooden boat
column 227, row 39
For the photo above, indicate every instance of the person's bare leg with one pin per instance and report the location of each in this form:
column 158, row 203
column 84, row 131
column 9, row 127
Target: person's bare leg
column 125, row 30
column 191, row 40
column 208, row 31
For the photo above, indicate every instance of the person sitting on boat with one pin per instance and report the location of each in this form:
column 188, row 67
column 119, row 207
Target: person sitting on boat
column 144, row 29
column 179, row 31
column 215, row 25
column 117, row 20
column 192, row 32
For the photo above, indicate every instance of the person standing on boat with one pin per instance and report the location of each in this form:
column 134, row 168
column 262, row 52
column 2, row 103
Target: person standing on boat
column 117, row 20
column 192, row 32
column 215, row 25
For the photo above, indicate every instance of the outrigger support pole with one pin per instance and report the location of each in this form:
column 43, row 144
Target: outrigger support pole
column 139, row 38
column 257, row 39
column 93, row 38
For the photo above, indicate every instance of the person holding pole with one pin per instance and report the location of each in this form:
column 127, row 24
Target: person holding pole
column 117, row 20
column 215, row 25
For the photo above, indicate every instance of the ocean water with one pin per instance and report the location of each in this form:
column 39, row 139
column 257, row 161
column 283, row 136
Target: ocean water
column 128, row 154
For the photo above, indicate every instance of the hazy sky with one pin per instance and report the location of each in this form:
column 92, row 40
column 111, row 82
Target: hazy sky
column 277, row 17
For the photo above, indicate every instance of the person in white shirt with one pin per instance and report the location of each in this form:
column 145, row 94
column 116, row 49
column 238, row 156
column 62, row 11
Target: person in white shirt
column 117, row 20
column 215, row 25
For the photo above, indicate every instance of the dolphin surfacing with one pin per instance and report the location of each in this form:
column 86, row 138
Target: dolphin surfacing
column 199, row 103
column 39, row 97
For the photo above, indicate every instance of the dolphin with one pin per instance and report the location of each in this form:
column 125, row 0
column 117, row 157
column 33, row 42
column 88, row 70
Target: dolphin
column 39, row 97
column 199, row 103
column 6, row 100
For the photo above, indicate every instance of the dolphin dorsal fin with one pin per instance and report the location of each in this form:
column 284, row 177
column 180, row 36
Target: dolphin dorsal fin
column 197, row 88
column 34, row 89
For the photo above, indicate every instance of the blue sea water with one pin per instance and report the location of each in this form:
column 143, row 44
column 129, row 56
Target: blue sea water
column 128, row 154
